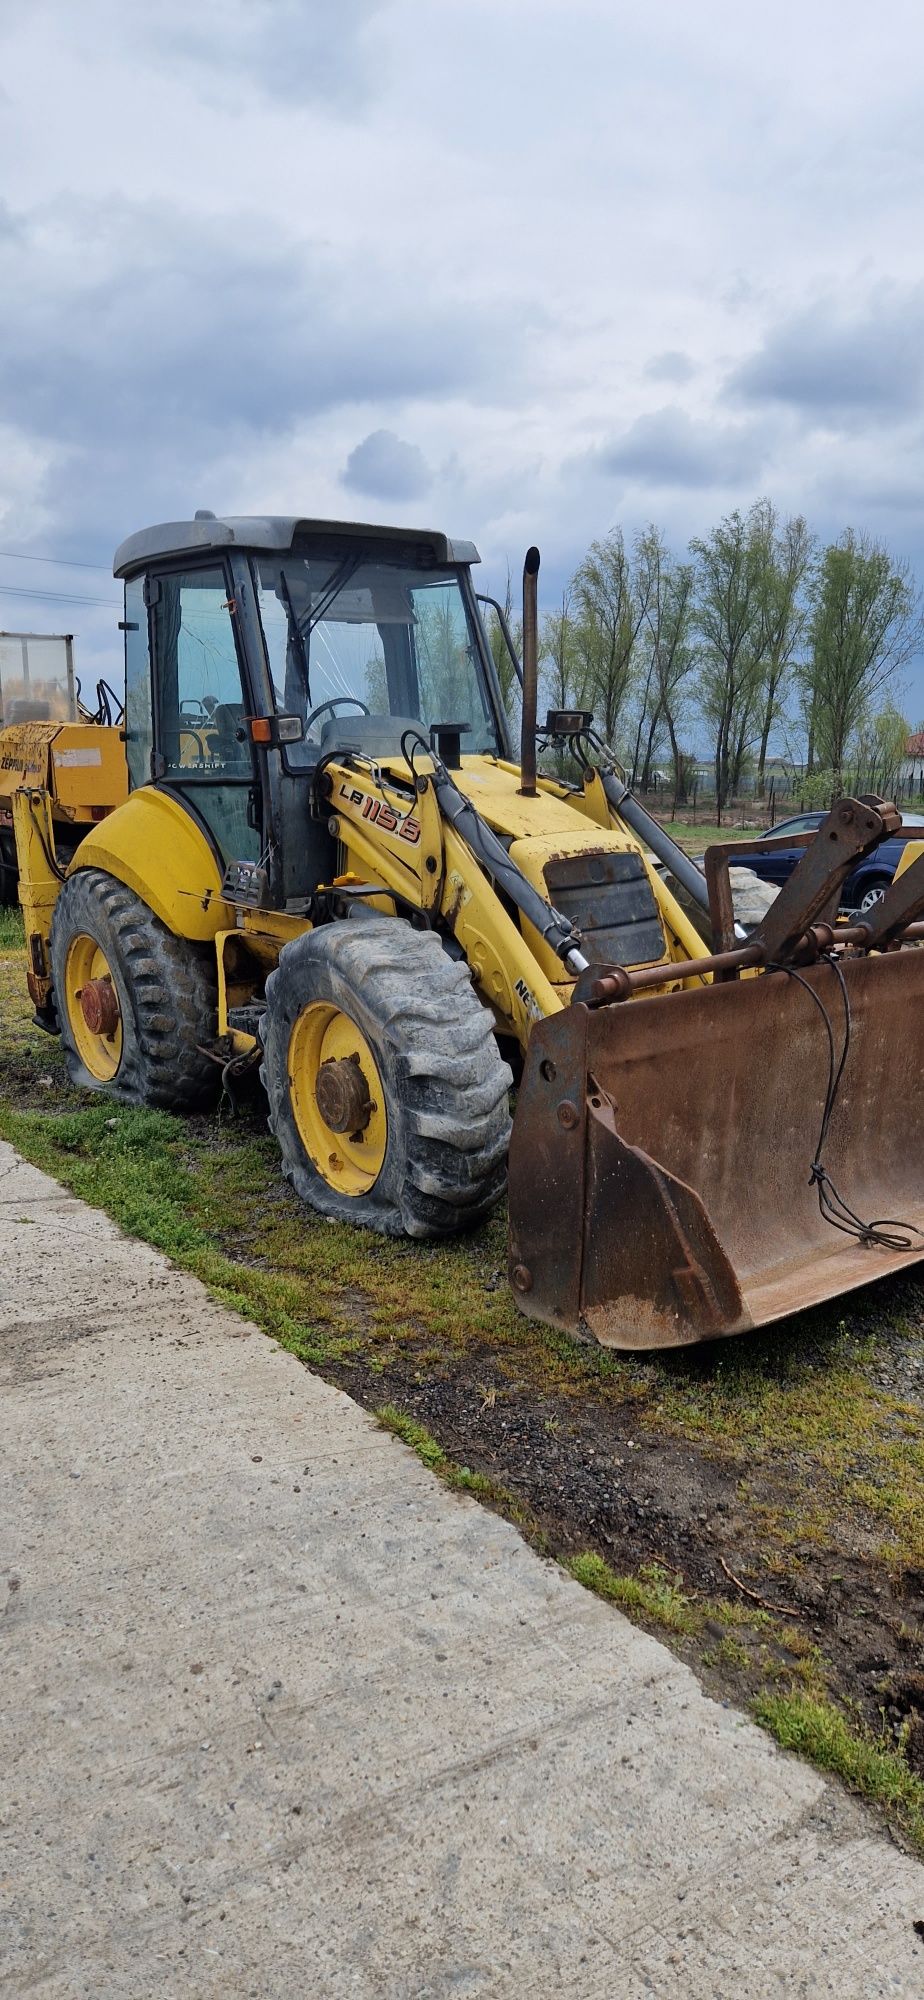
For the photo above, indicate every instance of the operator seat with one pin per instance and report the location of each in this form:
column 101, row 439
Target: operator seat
column 229, row 744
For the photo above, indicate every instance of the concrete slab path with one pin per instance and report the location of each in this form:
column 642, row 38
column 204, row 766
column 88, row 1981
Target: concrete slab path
column 281, row 1716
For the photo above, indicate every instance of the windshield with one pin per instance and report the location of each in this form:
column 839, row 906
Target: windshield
column 378, row 637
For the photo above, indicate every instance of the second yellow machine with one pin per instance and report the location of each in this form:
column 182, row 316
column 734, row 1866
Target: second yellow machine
column 330, row 859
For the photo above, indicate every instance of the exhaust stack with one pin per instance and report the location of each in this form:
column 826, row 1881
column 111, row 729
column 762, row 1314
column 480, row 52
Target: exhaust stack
column 530, row 674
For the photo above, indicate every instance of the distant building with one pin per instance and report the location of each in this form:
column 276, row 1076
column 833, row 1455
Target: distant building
column 913, row 766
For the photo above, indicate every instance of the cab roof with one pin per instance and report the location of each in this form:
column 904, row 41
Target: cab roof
column 279, row 534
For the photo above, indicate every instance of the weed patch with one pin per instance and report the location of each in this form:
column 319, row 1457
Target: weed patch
column 868, row 1765
column 652, row 1595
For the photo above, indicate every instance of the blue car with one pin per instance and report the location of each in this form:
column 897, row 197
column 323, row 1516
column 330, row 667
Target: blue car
column 869, row 880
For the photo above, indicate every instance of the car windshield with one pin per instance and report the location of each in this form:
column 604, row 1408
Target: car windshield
column 345, row 636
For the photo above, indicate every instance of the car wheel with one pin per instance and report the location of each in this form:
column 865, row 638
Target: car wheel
column 874, row 894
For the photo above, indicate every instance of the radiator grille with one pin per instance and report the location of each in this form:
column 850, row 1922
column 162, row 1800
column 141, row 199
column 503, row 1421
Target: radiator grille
column 610, row 899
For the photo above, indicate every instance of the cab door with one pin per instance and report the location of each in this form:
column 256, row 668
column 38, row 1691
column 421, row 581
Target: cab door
column 202, row 747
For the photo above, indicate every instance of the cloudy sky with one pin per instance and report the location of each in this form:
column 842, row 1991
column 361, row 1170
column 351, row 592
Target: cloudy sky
column 520, row 270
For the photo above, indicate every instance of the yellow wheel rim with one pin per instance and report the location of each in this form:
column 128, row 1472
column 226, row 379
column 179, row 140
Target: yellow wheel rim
column 333, row 1075
column 87, row 965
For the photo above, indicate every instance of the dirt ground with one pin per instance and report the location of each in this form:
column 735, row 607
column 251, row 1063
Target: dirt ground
column 591, row 1476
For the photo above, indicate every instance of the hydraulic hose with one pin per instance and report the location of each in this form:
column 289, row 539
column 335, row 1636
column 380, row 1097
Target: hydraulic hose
column 656, row 837
column 551, row 925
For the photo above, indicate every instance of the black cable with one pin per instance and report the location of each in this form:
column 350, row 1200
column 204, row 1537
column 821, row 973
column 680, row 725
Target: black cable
column 416, row 736
column 103, row 689
column 57, row 596
column 831, row 1205
column 57, row 562
column 50, row 858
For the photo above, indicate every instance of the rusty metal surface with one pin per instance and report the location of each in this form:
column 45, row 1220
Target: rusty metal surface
column 99, row 1004
column 853, row 828
column 342, row 1095
column 715, row 867
column 671, row 1202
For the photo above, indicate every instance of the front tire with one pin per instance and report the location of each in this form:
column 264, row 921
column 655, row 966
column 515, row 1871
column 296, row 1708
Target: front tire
column 369, row 1024
column 154, row 998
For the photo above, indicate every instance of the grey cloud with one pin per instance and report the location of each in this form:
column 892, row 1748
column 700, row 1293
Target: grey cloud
column 671, row 366
column 300, row 50
column 141, row 349
column 669, row 448
column 387, row 467
column 834, row 365
column 137, row 322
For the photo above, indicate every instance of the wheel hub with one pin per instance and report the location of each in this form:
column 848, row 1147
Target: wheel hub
column 89, row 1001
column 342, row 1095
column 99, row 1005
column 337, row 1098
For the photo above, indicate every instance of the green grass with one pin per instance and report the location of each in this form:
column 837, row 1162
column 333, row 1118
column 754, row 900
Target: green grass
column 694, row 836
column 653, row 1595
column 870, row 1766
column 11, row 930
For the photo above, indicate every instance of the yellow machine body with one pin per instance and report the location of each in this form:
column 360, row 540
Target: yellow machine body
column 81, row 765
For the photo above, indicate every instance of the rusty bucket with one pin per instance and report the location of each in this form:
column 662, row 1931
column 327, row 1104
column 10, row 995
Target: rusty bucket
column 660, row 1166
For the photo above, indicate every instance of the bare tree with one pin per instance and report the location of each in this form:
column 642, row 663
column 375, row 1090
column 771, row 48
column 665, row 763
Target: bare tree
column 563, row 663
column 728, row 611
column 500, row 653
column 609, row 606
column 668, row 588
column 786, row 552
column 880, row 750
column 564, row 672
column 865, row 625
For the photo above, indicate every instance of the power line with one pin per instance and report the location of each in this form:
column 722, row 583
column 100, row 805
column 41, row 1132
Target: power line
column 57, row 597
column 59, row 562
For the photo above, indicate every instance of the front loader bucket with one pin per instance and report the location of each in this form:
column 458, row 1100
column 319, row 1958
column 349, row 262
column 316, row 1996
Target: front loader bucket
column 659, row 1164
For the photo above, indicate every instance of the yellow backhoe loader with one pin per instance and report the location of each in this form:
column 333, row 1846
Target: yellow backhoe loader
column 50, row 737
column 331, row 862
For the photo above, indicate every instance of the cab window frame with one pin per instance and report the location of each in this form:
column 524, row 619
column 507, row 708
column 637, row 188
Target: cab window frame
column 159, row 575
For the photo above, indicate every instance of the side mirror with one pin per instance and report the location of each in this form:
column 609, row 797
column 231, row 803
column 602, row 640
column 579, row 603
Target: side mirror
column 567, row 721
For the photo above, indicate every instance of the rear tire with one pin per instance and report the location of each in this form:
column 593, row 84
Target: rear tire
column 166, row 991
column 432, row 1063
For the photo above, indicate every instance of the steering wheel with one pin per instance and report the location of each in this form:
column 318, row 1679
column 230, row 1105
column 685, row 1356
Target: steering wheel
column 336, row 701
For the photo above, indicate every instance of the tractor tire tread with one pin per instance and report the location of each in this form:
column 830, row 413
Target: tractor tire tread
column 448, row 1079
column 170, row 985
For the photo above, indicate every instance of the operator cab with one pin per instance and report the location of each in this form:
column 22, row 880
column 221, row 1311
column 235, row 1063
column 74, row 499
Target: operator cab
column 255, row 647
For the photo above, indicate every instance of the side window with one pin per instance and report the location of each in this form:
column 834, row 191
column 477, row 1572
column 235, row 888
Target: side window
column 139, row 732
column 200, row 707
column 201, row 736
